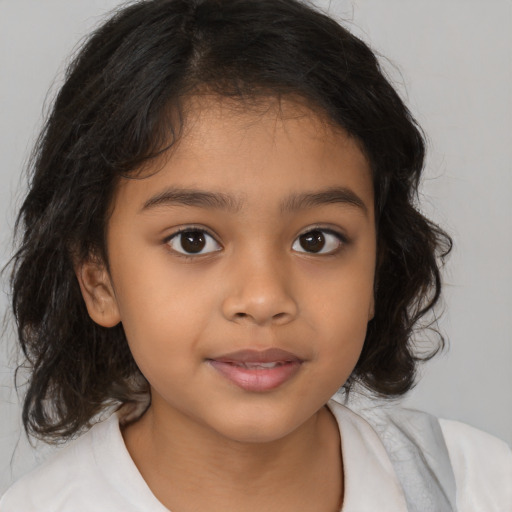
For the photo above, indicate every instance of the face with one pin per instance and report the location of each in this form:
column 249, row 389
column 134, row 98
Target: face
column 242, row 269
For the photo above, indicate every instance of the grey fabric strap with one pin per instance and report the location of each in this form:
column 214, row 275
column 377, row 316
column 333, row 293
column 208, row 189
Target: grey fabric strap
column 417, row 449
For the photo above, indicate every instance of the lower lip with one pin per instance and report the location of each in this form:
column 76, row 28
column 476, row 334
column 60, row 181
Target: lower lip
column 257, row 379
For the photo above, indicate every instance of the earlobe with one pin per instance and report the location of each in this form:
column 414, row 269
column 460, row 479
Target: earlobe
column 98, row 293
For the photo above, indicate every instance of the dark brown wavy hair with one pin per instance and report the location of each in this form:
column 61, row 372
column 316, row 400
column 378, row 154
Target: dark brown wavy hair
column 120, row 105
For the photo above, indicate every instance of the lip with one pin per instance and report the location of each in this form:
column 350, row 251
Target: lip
column 257, row 371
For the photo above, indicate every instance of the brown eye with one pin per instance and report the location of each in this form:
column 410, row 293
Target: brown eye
column 193, row 242
column 313, row 241
column 318, row 241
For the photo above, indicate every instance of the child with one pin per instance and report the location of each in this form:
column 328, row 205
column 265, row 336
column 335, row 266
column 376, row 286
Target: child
column 219, row 234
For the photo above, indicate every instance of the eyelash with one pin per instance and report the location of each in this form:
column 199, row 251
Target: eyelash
column 190, row 229
column 342, row 239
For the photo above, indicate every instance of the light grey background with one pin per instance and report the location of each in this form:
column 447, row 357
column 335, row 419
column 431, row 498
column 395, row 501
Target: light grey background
column 451, row 60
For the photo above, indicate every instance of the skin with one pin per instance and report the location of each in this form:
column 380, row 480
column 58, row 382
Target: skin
column 205, row 443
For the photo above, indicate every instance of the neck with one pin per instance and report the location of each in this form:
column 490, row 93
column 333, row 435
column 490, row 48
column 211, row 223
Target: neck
column 188, row 467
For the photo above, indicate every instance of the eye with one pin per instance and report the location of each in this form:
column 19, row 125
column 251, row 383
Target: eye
column 193, row 241
column 318, row 241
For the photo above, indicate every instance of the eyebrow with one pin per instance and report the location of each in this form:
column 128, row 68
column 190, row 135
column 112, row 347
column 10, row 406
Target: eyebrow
column 218, row 200
column 191, row 197
column 336, row 195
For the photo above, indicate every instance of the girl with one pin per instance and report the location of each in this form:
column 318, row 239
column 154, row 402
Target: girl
column 220, row 234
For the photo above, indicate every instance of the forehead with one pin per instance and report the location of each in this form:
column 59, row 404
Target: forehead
column 259, row 150
column 279, row 124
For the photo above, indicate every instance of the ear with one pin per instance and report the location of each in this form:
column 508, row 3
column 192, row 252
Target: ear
column 98, row 292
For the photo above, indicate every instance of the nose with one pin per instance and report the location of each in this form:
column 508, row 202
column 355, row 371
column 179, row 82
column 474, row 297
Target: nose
column 259, row 291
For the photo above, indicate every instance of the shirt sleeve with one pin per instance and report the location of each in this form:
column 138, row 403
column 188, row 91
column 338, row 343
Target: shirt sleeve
column 482, row 465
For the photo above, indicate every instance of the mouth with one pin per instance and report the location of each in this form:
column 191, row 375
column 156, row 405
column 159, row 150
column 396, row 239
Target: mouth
column 257, row 371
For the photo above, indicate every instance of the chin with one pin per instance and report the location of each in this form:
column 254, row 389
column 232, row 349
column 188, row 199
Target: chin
column 258, row 429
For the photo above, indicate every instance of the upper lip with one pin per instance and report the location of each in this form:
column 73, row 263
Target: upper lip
column 258, row 356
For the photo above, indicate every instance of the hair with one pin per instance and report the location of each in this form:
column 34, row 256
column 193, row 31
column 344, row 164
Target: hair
column 121, row 105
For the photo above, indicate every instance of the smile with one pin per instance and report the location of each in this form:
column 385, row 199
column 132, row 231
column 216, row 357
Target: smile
column 257, row 371
column 255, row 366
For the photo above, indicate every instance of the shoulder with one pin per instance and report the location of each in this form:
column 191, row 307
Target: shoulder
column 48, row 484
column 66, row 481
column 470, row 470
column 482, row 465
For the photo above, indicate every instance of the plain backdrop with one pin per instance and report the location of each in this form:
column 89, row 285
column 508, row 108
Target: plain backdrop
column 452, row 62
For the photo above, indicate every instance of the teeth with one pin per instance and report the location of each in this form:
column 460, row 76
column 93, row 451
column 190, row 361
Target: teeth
column 266, row 365
column 255, row 366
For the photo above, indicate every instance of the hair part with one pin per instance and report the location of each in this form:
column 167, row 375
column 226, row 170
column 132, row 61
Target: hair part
column 123, row 104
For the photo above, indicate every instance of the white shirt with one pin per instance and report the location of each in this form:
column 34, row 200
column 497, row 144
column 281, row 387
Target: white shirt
column 96, row 472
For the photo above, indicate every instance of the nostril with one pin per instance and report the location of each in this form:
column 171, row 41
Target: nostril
column 260, row 308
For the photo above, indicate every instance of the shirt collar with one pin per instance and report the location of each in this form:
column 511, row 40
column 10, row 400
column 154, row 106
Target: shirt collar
column 370, row 480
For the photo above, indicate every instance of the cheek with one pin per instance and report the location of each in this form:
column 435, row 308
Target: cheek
column 343, row 336
column 343, row 298
column 344, row 306
column 161, row 318
column 157, row 295
column 344, row 333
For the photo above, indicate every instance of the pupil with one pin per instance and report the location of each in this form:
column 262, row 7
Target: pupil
column 193, row 241
column 313, row 241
